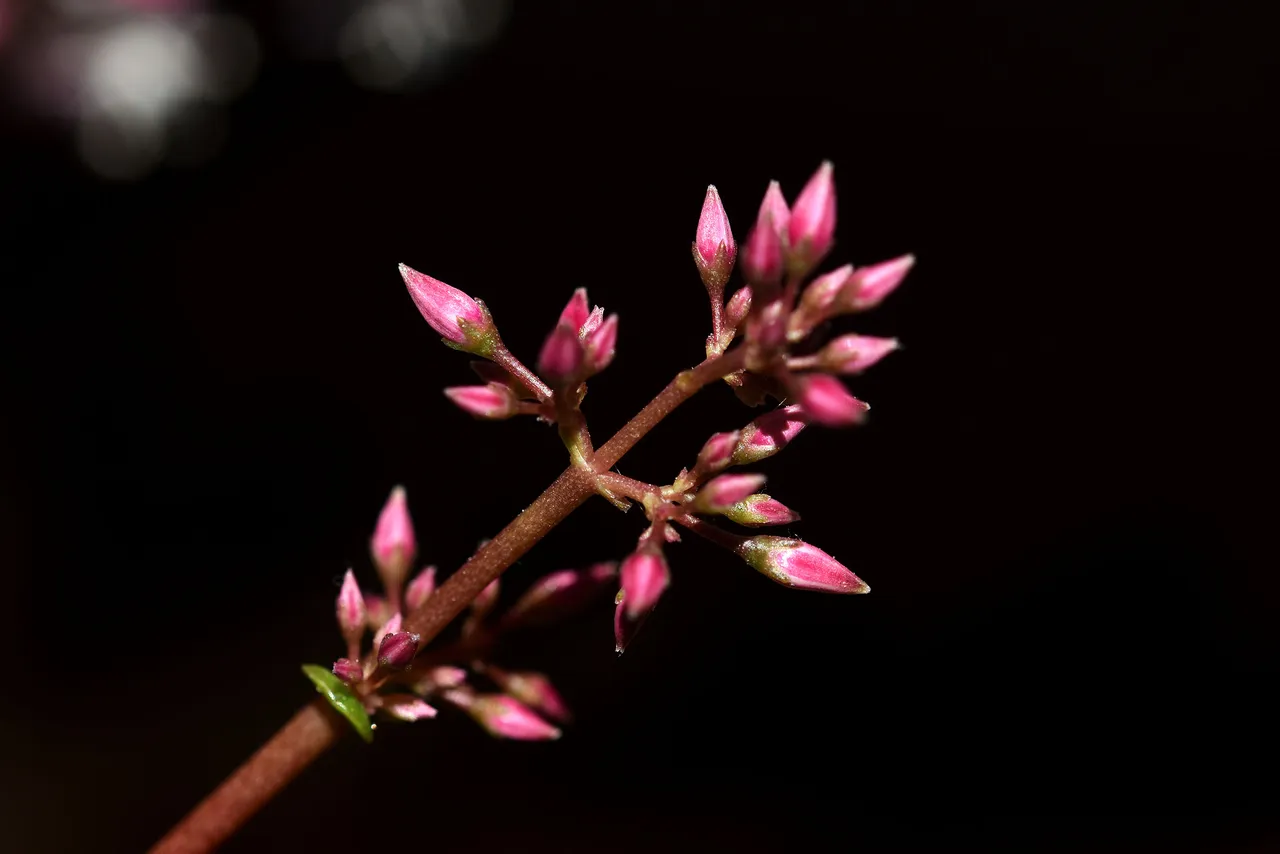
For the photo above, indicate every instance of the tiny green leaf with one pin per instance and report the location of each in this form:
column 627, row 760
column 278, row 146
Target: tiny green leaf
column 341, row 698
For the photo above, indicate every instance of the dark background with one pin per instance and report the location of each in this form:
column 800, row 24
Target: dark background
column 213, row 377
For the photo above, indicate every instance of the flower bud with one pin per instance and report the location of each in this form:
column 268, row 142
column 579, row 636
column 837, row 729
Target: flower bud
column 818, row 302
column 561, row 356
column 420, row 589
column 406, row 707
column 714, row 249
column 504, row 716
column 398, row 649
column 351, row 612
column 738, row 308
column 756, row 511
column 717, row 454
column 378, row 611
column 575, row 314
column 533, row 689
column 394, row 545
column 827, row 400
column 440, row 679
column 798, row 564
column 762, row 257
column 625, row 628
column 492, row 402
column 870, row 285
column 851, row 354
column 813, row 221
column 600, row 344
column 769, row 434
column 644, row 577
column 725, row 491
column 462, row 321
column 561, row 593
column 348, row 671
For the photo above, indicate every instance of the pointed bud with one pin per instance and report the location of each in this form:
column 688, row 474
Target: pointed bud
column 714, row 249
column 420, row 589
column 625, row 628
column 762, row 256
column 504, row 717
column 827, row 400
column 798, row 564
column 717, row 453
column 348, row 671
column 379, row 611
column 394, row 545
column 769, row 434
column 644, row 577
column 593, row 323
column 561, row 593
column 351, row 611
column 851, row 354
column 533, row 689
column 600, row 345
column 774, row 205
column 461, row 320
column 870, row 285
column 738, row 308
column 440, row 679
column 756, row 511
column 725, row 491
column 813, row 220
column 492, row 402
column 575, row 314
column 818, row 302
column 561, row 356
column 391, row 625
column 398, row 649
column 406, row 707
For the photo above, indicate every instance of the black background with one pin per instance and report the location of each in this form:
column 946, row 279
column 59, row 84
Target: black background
column 212, row 379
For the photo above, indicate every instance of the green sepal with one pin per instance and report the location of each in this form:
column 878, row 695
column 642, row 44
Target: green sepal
column 341, row 697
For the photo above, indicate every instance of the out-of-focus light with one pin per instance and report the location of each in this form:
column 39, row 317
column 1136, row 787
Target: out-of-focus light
column 392, row 44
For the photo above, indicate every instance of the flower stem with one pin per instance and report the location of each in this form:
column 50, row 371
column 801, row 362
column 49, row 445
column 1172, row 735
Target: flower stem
column 314, row 728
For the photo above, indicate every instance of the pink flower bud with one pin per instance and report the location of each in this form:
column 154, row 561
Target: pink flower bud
column 756, row 511
column 600, row 345
column 440, row 679
column 827, row 400
column 763, row 255
column 394, row 545
column 798, row 564
column 851, row 354
column 351, row 611
column 625, row 628
column 379, row 611
column 813, row 218
column 406, row 707
column 561, row 356
column 348, row 671
column 717, row 453
column 493, row 402
column 593, row 323
column 461, row 320
column 575, row 314
column 870, row 285
column 504, row 716
column 420, row 589
column 533, row 689
column 561, row 593
column 775, row 205
column 726, row 491
column 644, row 577
column 713, row 248
column 769, row 434
column 818, row 302
column 767, row 328
column 738, row 308
column 398, row 649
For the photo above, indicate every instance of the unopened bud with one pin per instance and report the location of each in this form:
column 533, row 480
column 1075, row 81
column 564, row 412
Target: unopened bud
column 420, row 589
column 851, row 354
column 348, row 671
column 769, row 434
column 406, row 707
column 492, row 402
column 813, row 221
column 561, row 356
column 725, row 491
column 351, row 611
column 870, row 285
column 577, row 311
column 738, row 308
column 798, row 564
column 756, row 511
column 462, row 321
column 717, row 453
column 504, row 717
column 644, row 578
column 827, row 400
column 600, row 345
column 533, row 689
column 398, row 649
column 818, row 302
column 440, row 679
column 714, row 249
column 561, row 593
column 394, row 545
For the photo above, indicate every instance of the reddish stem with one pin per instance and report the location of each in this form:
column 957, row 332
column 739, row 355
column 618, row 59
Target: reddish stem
column 313, row 729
